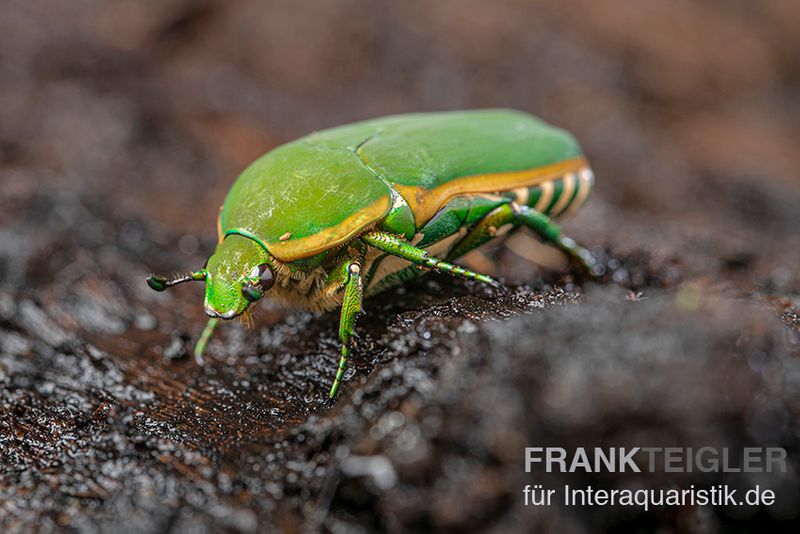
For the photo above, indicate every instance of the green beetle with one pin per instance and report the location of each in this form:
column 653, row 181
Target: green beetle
column 339, row 214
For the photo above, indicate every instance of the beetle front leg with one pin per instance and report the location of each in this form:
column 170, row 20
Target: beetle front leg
column 200, row 347
column 351, row 306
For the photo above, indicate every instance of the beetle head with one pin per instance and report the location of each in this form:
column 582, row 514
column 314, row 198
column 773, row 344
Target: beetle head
column 238, row 274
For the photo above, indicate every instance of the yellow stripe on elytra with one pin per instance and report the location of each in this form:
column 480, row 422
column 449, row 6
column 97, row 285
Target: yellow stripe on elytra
column 585, row 182
column 545, row 197
column 566, row 194
column 305, row 247
column 425, row 203
column 328, row 238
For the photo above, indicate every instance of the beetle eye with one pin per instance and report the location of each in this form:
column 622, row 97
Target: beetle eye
column 265, row 276
column 251, row 293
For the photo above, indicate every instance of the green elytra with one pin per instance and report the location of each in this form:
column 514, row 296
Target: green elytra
column 320, row 222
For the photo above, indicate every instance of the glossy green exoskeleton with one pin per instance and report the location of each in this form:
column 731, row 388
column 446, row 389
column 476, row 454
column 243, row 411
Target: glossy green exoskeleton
column 322, row 221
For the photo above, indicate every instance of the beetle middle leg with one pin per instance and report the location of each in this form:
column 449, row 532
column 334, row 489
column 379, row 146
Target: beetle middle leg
column 396, row 246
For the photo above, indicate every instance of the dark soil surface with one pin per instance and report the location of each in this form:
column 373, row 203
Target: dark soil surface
column 122, row 125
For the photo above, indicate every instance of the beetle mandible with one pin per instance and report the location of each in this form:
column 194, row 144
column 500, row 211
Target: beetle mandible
column 321, row 222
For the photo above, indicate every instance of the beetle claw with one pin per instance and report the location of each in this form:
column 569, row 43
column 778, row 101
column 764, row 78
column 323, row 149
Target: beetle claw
column 500, row 287
column 587, row 268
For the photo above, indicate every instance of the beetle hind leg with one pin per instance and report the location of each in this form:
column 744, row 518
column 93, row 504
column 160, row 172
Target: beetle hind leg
column 551, row 233
column 515, row 215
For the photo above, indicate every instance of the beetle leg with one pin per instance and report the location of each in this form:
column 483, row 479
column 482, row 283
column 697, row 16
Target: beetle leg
column 351, row 308
column 484, row 230
column 551, row 232
column 396, row 246
column 200, row 347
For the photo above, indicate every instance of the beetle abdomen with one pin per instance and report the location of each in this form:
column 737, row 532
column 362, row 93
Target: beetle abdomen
column 558, row 197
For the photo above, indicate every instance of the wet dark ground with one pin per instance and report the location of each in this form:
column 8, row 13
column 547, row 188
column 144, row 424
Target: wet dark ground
column 123, row 127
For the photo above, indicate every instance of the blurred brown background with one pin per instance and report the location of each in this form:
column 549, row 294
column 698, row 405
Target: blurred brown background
column 683, row 107
column 124, row 123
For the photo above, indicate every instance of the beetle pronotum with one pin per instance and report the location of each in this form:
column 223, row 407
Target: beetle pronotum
column 339, row 214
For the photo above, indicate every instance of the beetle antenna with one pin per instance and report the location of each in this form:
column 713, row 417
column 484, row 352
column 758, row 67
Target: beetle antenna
column 159, row 283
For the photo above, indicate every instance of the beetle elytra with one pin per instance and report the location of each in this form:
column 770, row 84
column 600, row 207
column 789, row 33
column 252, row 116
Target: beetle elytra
column 321, row 222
